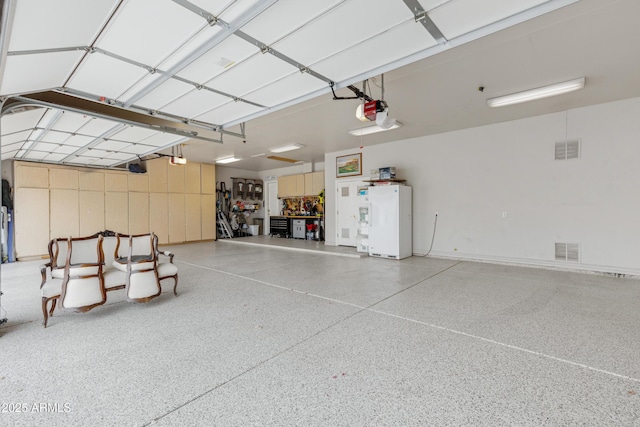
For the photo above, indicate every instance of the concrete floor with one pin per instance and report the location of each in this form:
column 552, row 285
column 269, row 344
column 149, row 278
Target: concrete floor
column 263, row 336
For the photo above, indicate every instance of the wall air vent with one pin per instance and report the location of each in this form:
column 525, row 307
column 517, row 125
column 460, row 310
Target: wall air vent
column 568, row 252
column 566, row 150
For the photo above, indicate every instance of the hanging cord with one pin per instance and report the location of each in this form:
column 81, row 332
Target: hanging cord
column 433, row 236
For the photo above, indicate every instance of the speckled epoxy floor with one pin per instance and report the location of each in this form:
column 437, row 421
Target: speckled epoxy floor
column 261, row 336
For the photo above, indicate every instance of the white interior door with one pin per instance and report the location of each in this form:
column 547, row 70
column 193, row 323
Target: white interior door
column 347, row 212
column 272, row 207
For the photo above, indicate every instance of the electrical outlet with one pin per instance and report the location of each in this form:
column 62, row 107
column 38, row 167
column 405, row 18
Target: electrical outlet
column 504, row 214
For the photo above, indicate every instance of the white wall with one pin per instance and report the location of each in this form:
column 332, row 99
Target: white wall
column 471, row 177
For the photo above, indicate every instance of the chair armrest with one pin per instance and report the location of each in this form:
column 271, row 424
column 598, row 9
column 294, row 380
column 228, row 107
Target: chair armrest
column 167, row 253
column 43, row 272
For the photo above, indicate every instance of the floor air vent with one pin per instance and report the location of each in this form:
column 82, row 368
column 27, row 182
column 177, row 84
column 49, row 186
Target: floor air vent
column 566, row 150
column 568, row 252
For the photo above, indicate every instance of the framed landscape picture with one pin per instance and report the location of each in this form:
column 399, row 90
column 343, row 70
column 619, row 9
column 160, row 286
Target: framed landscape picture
column 349, row 165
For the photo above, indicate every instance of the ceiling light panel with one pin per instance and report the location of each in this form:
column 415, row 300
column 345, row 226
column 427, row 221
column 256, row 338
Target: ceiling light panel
column 106, row 162
column 213, row 62
column 46, row 146
column 162, row 139
column 286, row 16
column 11, row 147
column 133, row 134
column 25, row 73
column 133, row 149
column 286, row 89
column 54, row 157
column 230, row 111
column 35, row 155
column 96, row 127
column 164, row 94
column 243, row 78
column 139, row 86
column 432, row 4
column 195, row 103
column 44, row 24
column 111, row 145
column 69, row 122
column 78, row 140
column 147, row 30
column 344, row 26
column 401, row 41
column 55, row 137
column 82, row 160
column 102, row 75
column 228, row 10
column 63, row 149
column 459, row 17
column 93, row 152
column 23, row 120
column 185, row 53
column 15, row 137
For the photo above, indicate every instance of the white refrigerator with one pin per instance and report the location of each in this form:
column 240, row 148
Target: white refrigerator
column 390, row 221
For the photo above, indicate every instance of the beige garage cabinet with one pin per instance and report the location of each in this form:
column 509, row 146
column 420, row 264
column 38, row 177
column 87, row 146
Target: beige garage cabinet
column 178, row 203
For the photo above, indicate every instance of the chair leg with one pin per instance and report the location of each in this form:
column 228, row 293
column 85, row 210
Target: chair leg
column 175, row 285
column 53, row 306
column 45, row 312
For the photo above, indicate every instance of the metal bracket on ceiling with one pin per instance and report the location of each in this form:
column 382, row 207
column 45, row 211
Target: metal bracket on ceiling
column 420, row 15
column 210, row 18
column 359, row 94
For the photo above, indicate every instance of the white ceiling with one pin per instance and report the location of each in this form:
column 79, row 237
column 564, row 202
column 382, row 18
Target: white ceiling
column 165, row 58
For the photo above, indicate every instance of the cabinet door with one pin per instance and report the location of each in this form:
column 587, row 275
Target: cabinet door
column 208, row 178
column 116, row 211
column 176, row 179
column 91, row 181
column 299, row 184
column 91, row 212
column 157, row 170
column 159, row 216
column 192, row 178
column 63, row 179
column 177, row 218
column 139, row 183
column 138, row 213
column 116, row 181
column 31, row 221
column 193, row 217
column 281, row 184
column 285, row 186
column 318, row 183
column 208, row 216
column 34, row 177
column 308, row 184
column 64, row 221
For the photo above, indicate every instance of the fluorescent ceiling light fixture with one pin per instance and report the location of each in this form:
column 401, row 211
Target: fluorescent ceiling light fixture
column 372, row 129
column 284, row 148
column 229, row 159
column 538, row 93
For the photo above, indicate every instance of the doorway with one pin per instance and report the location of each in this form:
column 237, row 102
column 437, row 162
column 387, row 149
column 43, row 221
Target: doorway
column 272, row 207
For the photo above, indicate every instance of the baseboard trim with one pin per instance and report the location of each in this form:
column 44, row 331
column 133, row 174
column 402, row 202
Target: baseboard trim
column 610, row 271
